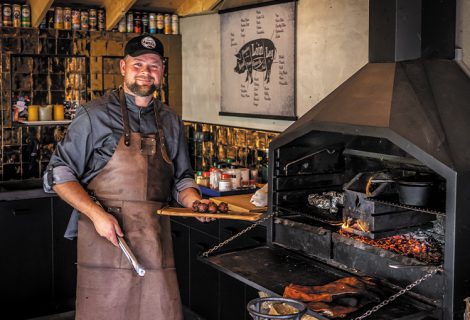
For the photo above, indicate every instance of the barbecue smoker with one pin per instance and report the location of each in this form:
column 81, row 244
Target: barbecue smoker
column 393, row 140
column 374, row 180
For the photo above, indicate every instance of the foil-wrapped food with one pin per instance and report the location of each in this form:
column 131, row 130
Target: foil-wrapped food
column 327, row 200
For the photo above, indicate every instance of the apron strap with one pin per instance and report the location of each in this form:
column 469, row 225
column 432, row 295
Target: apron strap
column 161, row 135
column 125, row 117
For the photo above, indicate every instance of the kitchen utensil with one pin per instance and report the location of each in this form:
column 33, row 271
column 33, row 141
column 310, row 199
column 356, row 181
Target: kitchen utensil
column 258, row 311
column 130, row 256
column 413, row 191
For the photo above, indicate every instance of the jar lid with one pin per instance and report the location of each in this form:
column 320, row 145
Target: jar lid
column 225, row 176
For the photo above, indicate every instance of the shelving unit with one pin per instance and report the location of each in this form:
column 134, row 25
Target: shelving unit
column 209, row 143
column 33, row 63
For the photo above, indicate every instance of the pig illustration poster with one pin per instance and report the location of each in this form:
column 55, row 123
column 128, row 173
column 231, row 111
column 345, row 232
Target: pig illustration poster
column 258, row 67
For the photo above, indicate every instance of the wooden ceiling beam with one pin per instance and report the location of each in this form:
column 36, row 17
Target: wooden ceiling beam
column 38, row 10
column 189, row 7
column 115, row 10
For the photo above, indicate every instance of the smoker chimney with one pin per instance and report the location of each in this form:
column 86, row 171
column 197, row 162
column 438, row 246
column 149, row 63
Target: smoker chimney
column 394, row 30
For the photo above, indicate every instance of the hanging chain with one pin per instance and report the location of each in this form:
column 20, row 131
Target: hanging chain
column 223, row 243
column 399, row 293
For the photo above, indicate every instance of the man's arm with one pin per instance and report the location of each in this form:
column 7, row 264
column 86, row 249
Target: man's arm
column 105, row 224
column 188, row 196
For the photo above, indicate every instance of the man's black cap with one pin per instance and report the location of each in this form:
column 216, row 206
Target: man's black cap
column 143, row 44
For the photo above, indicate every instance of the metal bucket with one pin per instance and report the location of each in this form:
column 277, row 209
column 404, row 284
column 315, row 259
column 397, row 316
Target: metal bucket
column 255, row 308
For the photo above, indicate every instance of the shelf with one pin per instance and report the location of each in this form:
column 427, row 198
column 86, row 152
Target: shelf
column 44, row 123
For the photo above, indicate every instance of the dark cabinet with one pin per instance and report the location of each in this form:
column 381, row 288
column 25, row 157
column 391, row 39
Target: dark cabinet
column 204, row 280
column 38, row 270
column 27, row 265
column 180, row 235
column 232, row 298
column 211, row 294
column 65, row 258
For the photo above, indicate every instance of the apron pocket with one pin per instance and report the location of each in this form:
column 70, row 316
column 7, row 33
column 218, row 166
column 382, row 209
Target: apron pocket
column 96, row 251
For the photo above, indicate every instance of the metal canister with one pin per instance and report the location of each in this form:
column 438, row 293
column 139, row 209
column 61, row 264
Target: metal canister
column 167, row 22
column 67, row 18
column 76, row 19
column 137, row 22
column 174, row 24
column 122, row 25
column 84, row 21
column 6, row 13
column 16, row 15
column 130, row 22
column 145, row 22
column 25, row 16
column 101, row 20
column 152, row 23
column 92, row 20
column 160, row 24
column 58, row 18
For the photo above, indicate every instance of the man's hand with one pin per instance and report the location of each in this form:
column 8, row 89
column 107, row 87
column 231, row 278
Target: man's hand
column 188, row 196
column 105, row 224
column 108, row 227
column 204, row 219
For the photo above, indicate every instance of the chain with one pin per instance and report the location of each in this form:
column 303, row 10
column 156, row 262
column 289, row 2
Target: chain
column 399, row 293
column 223, row 243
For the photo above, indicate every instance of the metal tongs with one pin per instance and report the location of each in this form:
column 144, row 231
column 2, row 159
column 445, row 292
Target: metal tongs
column 130, row 256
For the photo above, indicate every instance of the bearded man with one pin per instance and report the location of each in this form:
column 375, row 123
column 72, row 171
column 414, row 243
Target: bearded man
column 125, row 156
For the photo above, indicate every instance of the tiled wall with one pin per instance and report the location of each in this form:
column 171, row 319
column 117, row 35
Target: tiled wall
column 209, row 143
column 52, row 66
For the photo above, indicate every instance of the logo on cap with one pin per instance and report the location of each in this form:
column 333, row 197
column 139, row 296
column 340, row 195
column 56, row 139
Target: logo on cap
column 148, row 42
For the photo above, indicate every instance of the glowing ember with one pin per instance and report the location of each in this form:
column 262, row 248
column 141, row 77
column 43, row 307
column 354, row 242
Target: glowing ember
column 425, row 250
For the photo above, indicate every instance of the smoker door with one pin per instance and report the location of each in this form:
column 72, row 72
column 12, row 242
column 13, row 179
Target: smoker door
column 271, row 268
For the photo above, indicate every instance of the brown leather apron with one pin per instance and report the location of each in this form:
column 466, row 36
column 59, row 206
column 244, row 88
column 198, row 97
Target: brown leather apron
column 132, row 186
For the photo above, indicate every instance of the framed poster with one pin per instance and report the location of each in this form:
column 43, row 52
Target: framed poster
column 258, row 61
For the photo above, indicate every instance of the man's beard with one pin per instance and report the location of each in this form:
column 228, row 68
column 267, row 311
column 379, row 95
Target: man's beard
column 141, row 91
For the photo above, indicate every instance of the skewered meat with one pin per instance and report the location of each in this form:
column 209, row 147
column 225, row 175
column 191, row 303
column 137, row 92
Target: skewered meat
column 212, row 208
column 223, row 207
column 195, row 204
column 202, row 207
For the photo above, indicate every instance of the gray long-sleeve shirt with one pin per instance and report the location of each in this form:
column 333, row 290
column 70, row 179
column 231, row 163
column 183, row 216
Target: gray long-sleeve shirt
column 92, row 138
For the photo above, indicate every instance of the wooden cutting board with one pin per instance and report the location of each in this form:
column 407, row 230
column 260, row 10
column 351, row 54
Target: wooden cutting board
column 234, row 215
column 240, row 202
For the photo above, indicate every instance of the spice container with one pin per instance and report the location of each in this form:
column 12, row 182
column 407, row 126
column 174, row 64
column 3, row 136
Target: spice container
column 67, row 18
column 84, row 20
column 215, row 176
column 45, row 113
column 16, row 15
column 174, row 24
column 76, row 19
column 225, row 185
column 58, row 18
column 160, row 23
column 152, row 23
column 92, row 20
column 6, row 13
column 33, row 113
column 167, row 23
column 58, row 112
